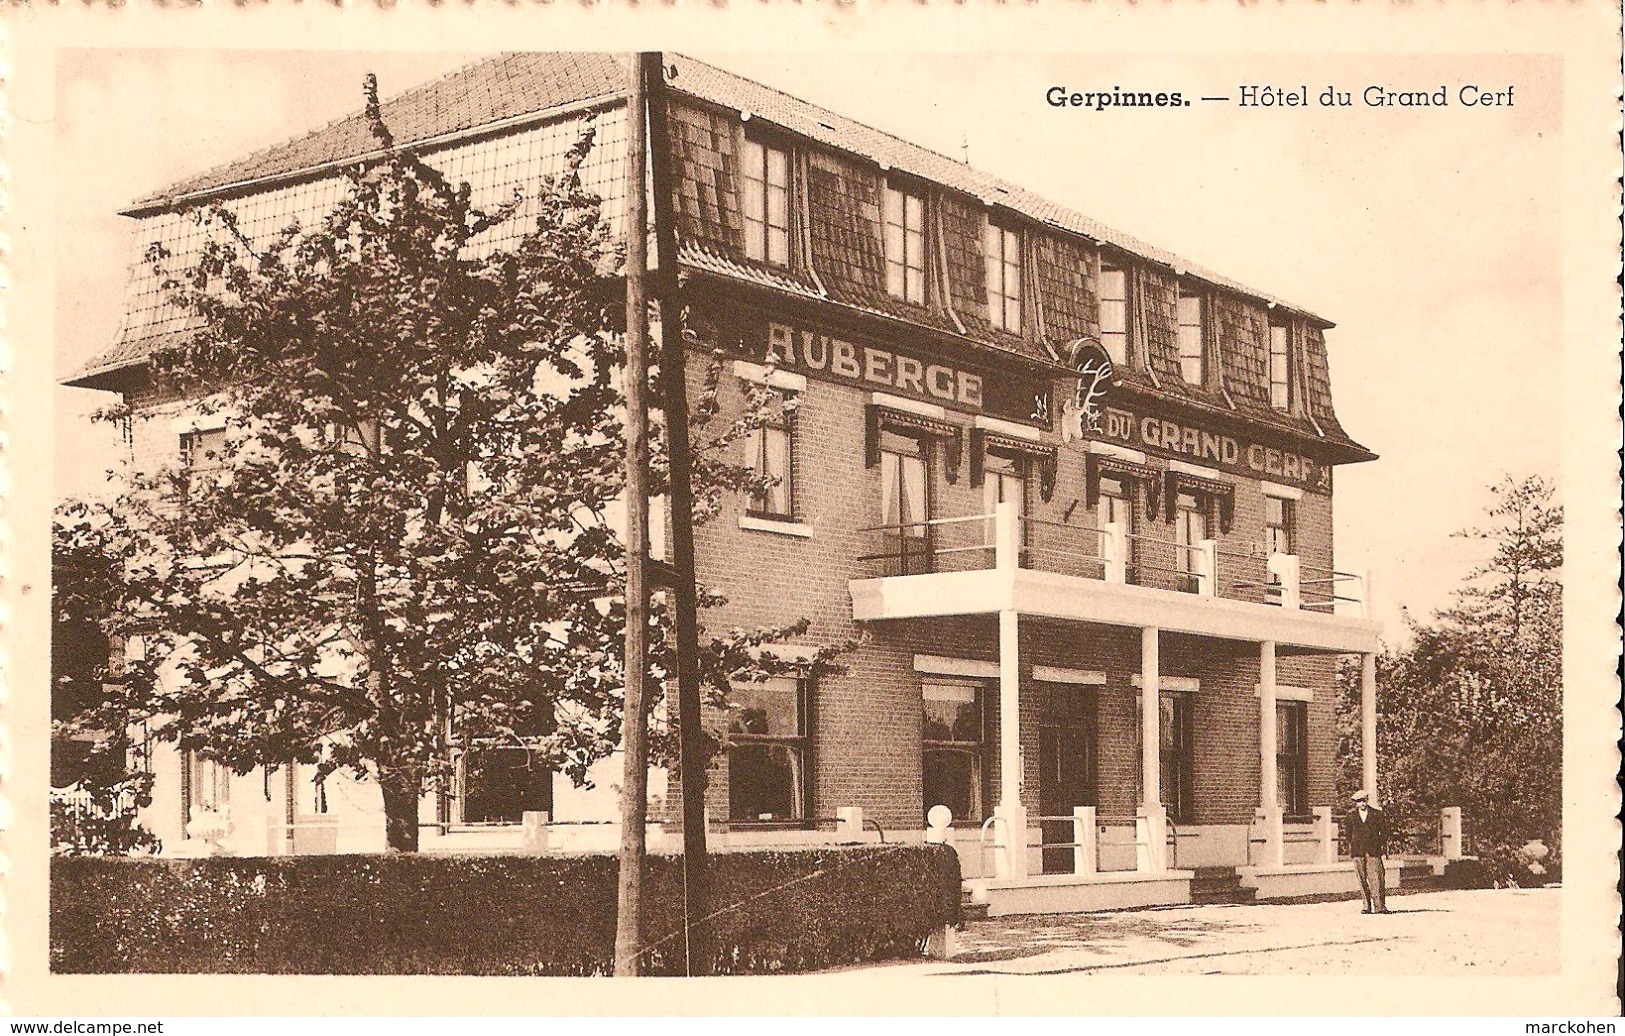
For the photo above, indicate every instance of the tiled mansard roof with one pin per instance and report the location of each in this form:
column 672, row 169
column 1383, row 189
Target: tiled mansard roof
column 508, row 93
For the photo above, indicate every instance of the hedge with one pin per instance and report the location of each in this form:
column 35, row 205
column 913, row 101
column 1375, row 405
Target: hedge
column 489, row 914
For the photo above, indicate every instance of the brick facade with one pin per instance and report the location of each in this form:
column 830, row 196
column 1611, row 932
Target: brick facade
column 865, row 726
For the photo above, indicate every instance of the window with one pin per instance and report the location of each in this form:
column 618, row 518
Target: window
column 951, row 740
column 1292, row 757
column 1280, row 368
column 1278, row 522
column 904, row 504
column 1192, row 363
column 1114, row 312
column 905, row 245
column 206, row 784
column 500, row 784
column 1004, row 480
column 766, row 203
column 201, row 450
column 767, row 752
column 360, row 440
column 1278, row 536
column 768, row 453
column 1116, row 504
column 1003, row 255
column 1190, row 529
column 1174, row 733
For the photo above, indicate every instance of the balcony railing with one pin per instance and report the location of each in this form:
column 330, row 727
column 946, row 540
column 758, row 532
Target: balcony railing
column 1110, row 554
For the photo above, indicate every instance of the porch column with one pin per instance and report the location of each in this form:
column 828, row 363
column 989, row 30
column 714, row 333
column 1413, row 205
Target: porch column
column 1269, row 805
column 1267, row 783
column 1012, row 818
column 1150, row 720
column 1368, row 724
column 1151, row 826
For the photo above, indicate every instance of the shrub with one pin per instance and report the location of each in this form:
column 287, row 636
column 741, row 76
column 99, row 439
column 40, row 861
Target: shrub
column 105, row 824
column 489, row 915
column 1504, row 866
column 1469, row 873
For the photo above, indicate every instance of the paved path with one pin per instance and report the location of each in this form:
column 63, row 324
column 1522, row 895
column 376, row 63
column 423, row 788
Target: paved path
column 1481, row 932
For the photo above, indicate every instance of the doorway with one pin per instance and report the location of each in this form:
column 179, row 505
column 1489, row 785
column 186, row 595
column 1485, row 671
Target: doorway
column 1066, row 768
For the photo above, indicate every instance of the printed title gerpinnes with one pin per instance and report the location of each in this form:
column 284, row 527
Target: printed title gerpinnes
column 1470, row 95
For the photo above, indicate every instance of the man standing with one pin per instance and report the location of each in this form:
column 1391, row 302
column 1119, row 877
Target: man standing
column 1367, row 829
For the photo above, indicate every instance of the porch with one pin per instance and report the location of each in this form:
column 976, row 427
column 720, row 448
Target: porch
column 1019, row 570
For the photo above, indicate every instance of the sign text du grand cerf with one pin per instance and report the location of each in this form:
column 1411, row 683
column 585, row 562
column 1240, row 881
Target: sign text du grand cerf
column 1199, row 445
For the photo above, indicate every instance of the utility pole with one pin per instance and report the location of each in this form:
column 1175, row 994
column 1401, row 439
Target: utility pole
column 673, row 369
column 634, row 721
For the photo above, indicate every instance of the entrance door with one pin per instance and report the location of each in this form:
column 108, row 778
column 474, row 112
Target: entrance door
column 1066, row 765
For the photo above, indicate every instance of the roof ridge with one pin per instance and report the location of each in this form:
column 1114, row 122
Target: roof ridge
column 844, row 118
column 283, row 142
column 427, row 87
column 511, row 86
column 1018, row 198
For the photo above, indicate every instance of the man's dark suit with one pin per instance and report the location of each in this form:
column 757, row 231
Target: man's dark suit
column 1368, row 841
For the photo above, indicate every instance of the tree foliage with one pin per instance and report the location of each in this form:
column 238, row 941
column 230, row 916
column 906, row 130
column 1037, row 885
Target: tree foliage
column 1470, row 713
column 407, row 535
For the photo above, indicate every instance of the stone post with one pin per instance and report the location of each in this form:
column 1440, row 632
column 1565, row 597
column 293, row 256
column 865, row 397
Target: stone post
column 1450, row 834
column 1084, row 853
column 1325, row 835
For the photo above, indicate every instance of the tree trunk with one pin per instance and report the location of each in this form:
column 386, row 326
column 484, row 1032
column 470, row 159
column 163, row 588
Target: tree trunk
column 402, row 790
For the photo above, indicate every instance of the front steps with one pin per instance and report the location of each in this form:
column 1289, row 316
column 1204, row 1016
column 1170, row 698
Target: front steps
column 1219, row 885
column 969, row 909
column 1420, row 873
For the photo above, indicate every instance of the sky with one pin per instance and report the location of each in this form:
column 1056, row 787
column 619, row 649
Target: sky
column 1429, row 236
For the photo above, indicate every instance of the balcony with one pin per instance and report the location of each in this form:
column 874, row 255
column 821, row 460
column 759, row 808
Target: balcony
column 991, row 563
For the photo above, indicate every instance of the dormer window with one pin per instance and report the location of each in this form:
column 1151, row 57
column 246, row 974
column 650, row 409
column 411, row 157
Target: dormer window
column 1002, row 249
column 1114, row 312
column 905, row 245
column 1192, row 356
column 1280, row 368
column 766, row 203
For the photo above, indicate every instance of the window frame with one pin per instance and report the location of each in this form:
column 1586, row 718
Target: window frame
column 1287, row 526
column 1185, row 552
column 460, row 780
column 194, row 448
column 1292, row 757
column 205, row 784
column 1191, row 293
column 1285, row 401
column 1000, row 467
column 798, row 744
column 756, row 446
column 976, row 749
column 760, row 233
column 895, row 537
column 914, row 292
column 1130, row 499
column 1121, row 336
column 1001, row 301
column 1177, row 763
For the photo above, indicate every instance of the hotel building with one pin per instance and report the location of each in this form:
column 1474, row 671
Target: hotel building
column 1073, row 491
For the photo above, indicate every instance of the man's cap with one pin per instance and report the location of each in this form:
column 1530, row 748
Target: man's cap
column 1361, row 795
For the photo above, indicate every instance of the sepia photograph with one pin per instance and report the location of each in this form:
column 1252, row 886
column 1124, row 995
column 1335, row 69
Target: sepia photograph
column 898, row 516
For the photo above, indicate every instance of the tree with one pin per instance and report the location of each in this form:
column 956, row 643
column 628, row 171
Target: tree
column 408, row 532
column 97, row 814
column 1470, row 714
